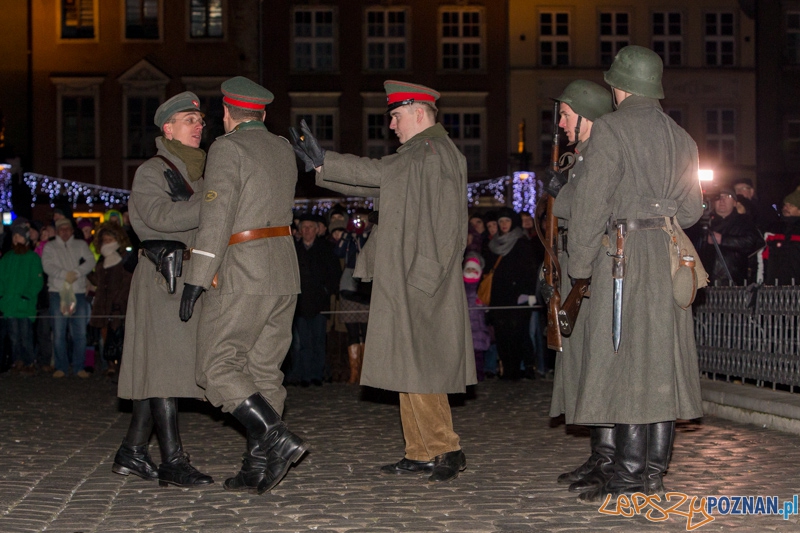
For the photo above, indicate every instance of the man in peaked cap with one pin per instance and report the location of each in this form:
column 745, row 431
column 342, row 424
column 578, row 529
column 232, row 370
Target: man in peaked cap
column 419, row 341
column 245, row 258
column 159, row 350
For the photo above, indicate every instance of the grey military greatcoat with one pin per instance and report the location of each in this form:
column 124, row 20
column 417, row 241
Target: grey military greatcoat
column 245, row 327
column 419, row 339
column 638, row 164
column 158, row 356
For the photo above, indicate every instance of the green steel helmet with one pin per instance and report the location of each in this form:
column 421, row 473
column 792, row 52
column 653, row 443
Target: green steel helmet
column 636, row 70
column 587, row 99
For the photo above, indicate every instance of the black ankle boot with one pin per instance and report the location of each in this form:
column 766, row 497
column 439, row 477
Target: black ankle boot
column 447, row 466
column 132, row 456
column 660, row 437
column 175, row 468
column 272, row 448
column 630, row 463
column 603, row 452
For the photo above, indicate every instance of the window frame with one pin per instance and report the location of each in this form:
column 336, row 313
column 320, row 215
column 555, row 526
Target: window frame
column 124, row 25
column 315, row 112
column 720, row 137
column 68, row 87
column 199, row 40
column 666, row 38
column 389, row 143
column 787, row 54
column 461, row 142
column 313, row 40
column 720, row 40
column 461, row 41
column 387, row 40
column 617, row 41
column 554, row 38
column 60, row 39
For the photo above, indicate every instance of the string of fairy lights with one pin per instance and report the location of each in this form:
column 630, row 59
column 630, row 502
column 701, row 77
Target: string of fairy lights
column 522, row 187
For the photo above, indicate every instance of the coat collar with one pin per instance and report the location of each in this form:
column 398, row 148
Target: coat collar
column 437, row 130
column 639, row 101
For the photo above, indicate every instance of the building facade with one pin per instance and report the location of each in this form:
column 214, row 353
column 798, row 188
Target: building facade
column 708, row 48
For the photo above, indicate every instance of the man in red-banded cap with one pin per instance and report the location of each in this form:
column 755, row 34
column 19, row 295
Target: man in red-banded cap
column 244, row 256
column 418, row 342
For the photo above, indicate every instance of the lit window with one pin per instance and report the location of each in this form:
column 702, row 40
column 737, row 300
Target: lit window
column 668, row 37
column 386, row 39
column 553, row 39
column 719, row 39
column 314, row 39
column 78, row 19
column 206, row 20
column 461, row 35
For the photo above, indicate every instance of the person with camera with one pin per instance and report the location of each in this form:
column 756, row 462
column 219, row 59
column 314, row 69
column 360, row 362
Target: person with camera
column 730, row 239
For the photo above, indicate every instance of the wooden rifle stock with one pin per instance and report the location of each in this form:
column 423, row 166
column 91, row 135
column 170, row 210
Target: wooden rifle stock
column 568, row 313
column 551, row 268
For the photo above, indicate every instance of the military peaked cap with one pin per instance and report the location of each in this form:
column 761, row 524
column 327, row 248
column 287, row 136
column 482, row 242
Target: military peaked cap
column 185, row 101
column 399, row 93
column 244, row 93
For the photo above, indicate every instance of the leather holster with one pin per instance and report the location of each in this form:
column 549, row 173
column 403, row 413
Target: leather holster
column 168, row 257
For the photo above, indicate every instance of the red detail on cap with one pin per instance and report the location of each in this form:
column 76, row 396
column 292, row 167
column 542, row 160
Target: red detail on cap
column 195, row 103
column 399, row 97
column 242, row 103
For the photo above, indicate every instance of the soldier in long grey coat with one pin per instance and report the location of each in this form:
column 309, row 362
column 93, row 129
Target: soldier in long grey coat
column 418, row 341
column 159, row 350
column 639, row 168
column 245, row 258
column 581, row 103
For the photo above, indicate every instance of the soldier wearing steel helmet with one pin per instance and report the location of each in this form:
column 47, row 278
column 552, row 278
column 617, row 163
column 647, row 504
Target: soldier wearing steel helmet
column 581, row 103
column 639, row 172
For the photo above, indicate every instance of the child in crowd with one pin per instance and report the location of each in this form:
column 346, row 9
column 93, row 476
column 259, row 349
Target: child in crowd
column 473, row 271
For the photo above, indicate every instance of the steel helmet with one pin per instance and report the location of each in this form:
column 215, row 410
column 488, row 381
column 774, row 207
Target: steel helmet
column 636, row 70
column 587, row 99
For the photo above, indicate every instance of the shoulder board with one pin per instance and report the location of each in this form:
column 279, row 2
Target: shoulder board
column 284, row 138
column 226, row 134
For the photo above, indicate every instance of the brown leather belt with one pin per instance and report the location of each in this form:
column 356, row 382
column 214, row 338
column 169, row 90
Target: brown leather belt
column 252, row 235
column 261, row 233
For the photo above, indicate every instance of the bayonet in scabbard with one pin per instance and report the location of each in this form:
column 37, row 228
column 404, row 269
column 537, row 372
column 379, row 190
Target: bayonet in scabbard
column 618, row 275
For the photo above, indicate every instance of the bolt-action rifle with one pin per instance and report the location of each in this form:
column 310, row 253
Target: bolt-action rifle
column 551, row 268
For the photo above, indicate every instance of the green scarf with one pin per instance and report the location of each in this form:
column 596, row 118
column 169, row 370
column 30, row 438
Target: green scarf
column 193, row 158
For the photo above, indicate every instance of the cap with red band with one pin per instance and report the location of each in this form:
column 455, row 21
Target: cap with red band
column 399, row 93
column 244, row 93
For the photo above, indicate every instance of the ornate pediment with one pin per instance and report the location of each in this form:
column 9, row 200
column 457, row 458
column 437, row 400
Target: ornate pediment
column 143, row 75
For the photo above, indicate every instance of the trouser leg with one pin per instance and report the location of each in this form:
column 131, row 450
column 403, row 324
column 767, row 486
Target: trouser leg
column 59, row 334
column 429, row 422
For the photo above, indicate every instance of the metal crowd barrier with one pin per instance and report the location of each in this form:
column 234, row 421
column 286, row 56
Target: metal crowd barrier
column 750, row 334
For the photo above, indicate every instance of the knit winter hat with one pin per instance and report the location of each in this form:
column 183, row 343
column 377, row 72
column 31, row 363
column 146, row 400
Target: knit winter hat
column 793, row 198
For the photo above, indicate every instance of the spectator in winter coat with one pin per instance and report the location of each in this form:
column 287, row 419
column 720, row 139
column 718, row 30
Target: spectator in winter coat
column 782, row 254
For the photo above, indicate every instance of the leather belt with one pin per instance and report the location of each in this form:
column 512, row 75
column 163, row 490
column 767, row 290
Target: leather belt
column 261, row 233
column 252, row 235
column 635, row 224
column 187, row 254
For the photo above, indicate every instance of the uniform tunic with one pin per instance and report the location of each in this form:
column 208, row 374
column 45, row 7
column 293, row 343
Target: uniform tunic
column 158, row 356
column 418, row 340
column 245, row 327
column 638, row 164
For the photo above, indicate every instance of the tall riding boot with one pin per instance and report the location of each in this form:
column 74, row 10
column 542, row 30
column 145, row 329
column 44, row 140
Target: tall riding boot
column 132, row 456
column 352, row 355
column 603, row 447
column 630, row 463
column 174, row 468
column 660, row 437
column 271, row 447
column 580, row 472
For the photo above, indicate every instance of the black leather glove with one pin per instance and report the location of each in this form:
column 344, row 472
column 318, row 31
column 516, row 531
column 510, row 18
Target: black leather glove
column 552, row 182
column 307, row 147
column 190, row 295
column 177, row 186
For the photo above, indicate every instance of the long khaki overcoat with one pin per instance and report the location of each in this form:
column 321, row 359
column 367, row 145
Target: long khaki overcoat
column 158, row 357
column 638, row 164
column 566, row 379
column 418, row 339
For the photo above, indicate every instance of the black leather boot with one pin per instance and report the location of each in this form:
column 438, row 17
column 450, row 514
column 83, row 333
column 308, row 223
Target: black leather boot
column 174, row 468
column 630, row 463
column 408, row 466
column 272, row 448
column 132, row 456
column 603, row 447
column 660, row 437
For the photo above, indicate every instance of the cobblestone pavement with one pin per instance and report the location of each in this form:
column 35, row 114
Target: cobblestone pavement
column 58, row 439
